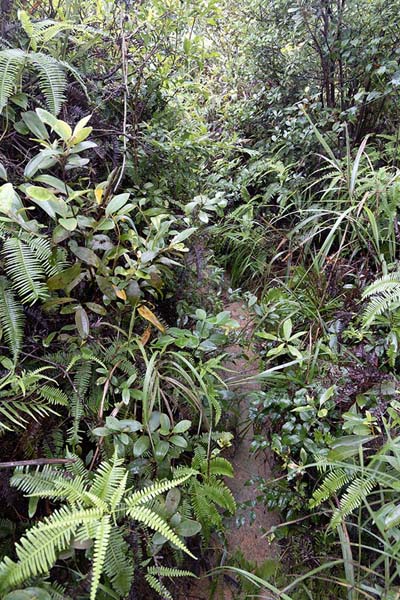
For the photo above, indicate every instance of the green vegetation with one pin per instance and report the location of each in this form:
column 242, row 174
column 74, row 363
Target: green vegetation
column 157, row 159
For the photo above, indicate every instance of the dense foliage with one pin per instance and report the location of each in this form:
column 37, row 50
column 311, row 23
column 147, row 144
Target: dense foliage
column 156, row 158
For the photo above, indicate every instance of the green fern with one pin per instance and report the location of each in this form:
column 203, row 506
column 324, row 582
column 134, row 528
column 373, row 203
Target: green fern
column 154, row 575
column 51, row 73
column 384, row 294
column 24, row 270
column 95, row 503
column 333, row 482
column 353, row 498
column 11, row 319
column 11, row 63
column 22, row 398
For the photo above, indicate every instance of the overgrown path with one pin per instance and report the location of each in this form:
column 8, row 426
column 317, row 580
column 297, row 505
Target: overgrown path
column 247, row 540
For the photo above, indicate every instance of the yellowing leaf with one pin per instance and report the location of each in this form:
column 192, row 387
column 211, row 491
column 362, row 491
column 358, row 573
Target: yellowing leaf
column 147, row 314
column 119, row 293
column 146, row 336
column 98, row 194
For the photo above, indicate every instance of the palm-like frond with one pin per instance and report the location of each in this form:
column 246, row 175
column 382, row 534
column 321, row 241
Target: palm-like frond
column 11, row 63
column 11, row 318
column 53, row 81
column 100, row 550
column 384, row 295
column 94, row 505
column 51, row 72
column 37, row 550
column 25, row 270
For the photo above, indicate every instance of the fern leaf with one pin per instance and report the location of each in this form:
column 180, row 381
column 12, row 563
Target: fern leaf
column 11, row 62
column 152, row 491
column 118, row 565
column 154, row 521
column 100, row 549
column 38, row 548
column 108, row 479
column 158, row 587
column 170, row 572
column 25, row 271
column 385, row 293
column 221, row 495
column 11, row 319
column 333, row 482
column 352, row 499
column 53, row 81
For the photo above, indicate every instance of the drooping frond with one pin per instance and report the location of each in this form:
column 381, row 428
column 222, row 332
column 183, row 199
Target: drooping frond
column 100, row 550
column 51, row 74
column 38, row 548
column 152, row 520
column 154, row 490
column 25, row 271
column 384, row 295
column 332, row 483
column 158, row 586
column 53, row 81
column 11, row 318
column 118, row 564
column 11, row 62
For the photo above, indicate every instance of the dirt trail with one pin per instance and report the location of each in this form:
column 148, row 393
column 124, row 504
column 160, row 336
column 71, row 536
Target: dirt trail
column 248, row 539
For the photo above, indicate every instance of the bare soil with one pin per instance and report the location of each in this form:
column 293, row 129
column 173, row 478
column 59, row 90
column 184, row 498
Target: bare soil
column 248, row 539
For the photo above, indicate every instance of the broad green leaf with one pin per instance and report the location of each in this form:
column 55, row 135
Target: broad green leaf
column 116, row 203
column 35, row 125
column 178, row 440
column 3, row 172
column 141, row 445
column 69, row 224
column 62, row 129
column 46, row 200
column 82, row 322
column 87, row 255
column 61, row 280
column 182, row 426
column 188, row 527
column 10, row 202
column 183, row 235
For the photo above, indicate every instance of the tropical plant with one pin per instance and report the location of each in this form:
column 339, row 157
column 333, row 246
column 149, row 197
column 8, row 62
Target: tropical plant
column 93, row 505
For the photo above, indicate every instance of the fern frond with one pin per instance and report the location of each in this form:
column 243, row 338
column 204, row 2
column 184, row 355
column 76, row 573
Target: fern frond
column 220, row 494
column 169, row 572
column 81, row 385
column 154, row 521
column 118, row 565
column 11, row 62
column 385, row 293
column 217, row 466
column 108, row 479
column 100, row 549
column 53, row 81
column 11, row 319
column 34, row 482
column 158, row 587
column 204, row 510
column 38, row 548
column 54, row 395
column 25, row 271
column 332, row 483
column 154, row 490
column 353, row 498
